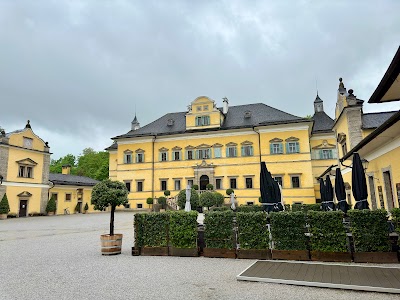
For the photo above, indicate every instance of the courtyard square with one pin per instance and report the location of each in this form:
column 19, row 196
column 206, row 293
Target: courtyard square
column 59, row 258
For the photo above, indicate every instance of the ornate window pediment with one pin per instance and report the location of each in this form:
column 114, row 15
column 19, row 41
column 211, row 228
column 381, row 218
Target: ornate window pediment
column 25, row 167
column 203, row 146
column 163, row 149
column 27, row 162
column 231, row 144
column 324, row 145
column 292, row 139
column 176, row 148
column 127, row 151
column 139, row 151
column 246, row 143
column 216, row 145
column 276, row 140
column 190, row 147
column 24, row 194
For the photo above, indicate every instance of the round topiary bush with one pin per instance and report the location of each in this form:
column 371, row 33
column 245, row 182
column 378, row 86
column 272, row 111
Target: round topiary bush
column 219, row 199
column 162, row 201
column 167, row 193
column 229, row 191
column 51, row 205
column 149, row 201
column 207, row 199
column 4, row 206
column 209, row 186
column 194, row 199
column 195, row 187
column 86, row 206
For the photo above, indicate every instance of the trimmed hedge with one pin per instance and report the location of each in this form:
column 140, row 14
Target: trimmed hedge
column 183, row 229
column 155, row 229
column 253, row 230
column 219, row 208
column 138, row 226
column 306, row 207
column 370, row 230
column 287, row 229
column 328, row 233
column 218, row 231
column 396, row 221
column 249, row 208
column 219, row 199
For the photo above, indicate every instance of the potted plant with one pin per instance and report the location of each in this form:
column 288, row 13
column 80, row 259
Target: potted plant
column 328, row 238
column 150, row 201
column 209, row 186
column 219, row 235
column 288, row 235
column 229, row 191
column 253, row 235
column 155, row 234
column 77, row 208
column 167, row 193
column 86, row 208
column 110, row 193
column 194, row 199
column 51, row 206
column 4, row 208
column 183, row 233
column 162, row 201
column 370, row 232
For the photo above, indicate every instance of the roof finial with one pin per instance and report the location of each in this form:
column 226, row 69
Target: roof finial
column 341, row 89
column 28, row 125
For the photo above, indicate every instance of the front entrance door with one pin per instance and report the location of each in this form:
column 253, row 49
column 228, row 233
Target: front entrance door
column 372, row 191
column 79, row 207
column 23, row 207
column 388, row 187
column 204, row 180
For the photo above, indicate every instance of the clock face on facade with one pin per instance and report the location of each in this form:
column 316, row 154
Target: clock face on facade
column 27, row 142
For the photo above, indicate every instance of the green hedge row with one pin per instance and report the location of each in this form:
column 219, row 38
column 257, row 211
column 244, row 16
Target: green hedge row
column 218, row 231
column 252, row 230
column 249, row 208
column 370, row 230
column 222, row 208
column 396, row 221
column 306, row 207
column 183, row 229
column 328, row 233
column 287, row 229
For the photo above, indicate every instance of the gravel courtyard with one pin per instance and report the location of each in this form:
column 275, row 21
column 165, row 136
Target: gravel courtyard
column 59, row 258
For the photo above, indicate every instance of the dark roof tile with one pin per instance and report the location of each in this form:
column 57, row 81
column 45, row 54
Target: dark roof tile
column 64, row 179
column 374, row 120
column 322, row 122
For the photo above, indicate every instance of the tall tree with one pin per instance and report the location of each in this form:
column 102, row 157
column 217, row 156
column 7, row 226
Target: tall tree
column 56, row 165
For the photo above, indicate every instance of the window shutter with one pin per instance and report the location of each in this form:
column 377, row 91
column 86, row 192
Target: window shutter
column 334, row 153
column 124, row 158
column 186, row 154
column 251, row 150
column 287, row 148
column 280, row 148
column 227, row 151
column 243, row 154
column 271, row 149
column 234, row 152
column 320, row 154
column 297, row 147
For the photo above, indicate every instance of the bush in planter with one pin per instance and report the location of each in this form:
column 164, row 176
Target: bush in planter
column 162, row 201
column 249, row 208
column 209, row 186
column 155, row 229
column 218, row 231
column 219, row 199
column 195, row 187
column 229, row 191
column 51, row 205
column 370, row 230
column 77, row 208
column 328, row 233
column 194, row 199
column 253, row 230
column 287, row 229
column 167, row 193
column 4, row 206
column 287, row 207
column 207, row 199
column 138, row 225
column 149, row 201
column 183, row 229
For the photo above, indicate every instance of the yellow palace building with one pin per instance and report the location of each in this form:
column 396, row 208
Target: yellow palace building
column 223, row 146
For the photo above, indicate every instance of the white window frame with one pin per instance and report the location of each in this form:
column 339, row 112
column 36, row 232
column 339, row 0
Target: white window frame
column 163, row 156
column 177, row 184
column 231, row 151
column 127, row 157
column 277, row 148
column 174, row 155
column 204, row 153
column 293, row 147
column 138, row 155
column 217, row 152
column 247, row 150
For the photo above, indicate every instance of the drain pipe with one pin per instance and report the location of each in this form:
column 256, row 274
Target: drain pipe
column 152, row 168
column 259, row 142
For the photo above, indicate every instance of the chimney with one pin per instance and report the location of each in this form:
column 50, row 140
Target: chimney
column 66, row 169
column 225, row 106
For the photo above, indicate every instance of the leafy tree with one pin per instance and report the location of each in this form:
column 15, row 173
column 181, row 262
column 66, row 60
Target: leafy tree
column 109, row 193
column 209, row 186
column 51, row 205
column 219, row 198
column 194, row 199
column 4, row 206
column 207, row 199
column 162, row 201
column 56, row 165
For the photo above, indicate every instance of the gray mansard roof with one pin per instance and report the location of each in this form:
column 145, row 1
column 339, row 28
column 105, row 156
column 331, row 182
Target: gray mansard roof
column 374, row 120
column 322, row 123
column 64, row 179
column 241, row 116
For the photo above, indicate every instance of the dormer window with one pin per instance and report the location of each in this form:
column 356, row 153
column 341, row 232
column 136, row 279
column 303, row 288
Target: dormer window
column 198, row 108
column 202, row 120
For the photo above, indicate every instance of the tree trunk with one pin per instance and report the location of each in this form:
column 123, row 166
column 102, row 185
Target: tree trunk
column 112, row 220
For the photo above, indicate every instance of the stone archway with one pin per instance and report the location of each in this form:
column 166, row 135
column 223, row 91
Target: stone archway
column 204, row 180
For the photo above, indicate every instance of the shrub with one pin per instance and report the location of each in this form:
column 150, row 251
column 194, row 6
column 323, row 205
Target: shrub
column 311, row 207
column 4, row 206
column 138, row 225
column 396, row 221
column 194, row 199
column 77, row 207
column 183, row 229
column 207, row 199
column 288, row 230
column 86, row 207
column 249, row 208
column 252, row 230
column 35, row 214
column 209, row 186
column 220, row 208
column 218, row 231
column 287, row 207
column 195, row 187
column 219, row 199
column 162, row 201
column 155, row 229
column 297, row 207
column 51, row 205
column 259, row 199
column 229, row 191
column 149, row 201
column 12, row 215
column 328, row 233
column 167, row 193
column 370, row 230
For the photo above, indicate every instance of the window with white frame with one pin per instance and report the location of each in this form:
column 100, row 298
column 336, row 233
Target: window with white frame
column 292, row 147
column 189, row 154
column 127, row 157
column 231, row 151
column 276, row 148
column 140, row 157
column 326, row 154
column 177, row 184
column 247, row 150
column 202, row 120
column 25, row 171
column 176, row 155
column 203, row 153
column 163, row 156
column 217, row 152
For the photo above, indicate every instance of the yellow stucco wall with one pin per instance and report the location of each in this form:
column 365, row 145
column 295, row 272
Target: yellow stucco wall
column 62, row 203
column 14, row 201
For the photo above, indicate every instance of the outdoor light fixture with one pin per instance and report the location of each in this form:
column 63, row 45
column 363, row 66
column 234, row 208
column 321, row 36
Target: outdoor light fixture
column 364, row 162
column 1, row 179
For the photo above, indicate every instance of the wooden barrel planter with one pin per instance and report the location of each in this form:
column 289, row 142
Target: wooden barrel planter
column 331, row 256
column 219, row 252
column 376, row 257
column 254, row 253
column 184, row 252
column 111, row 244
column 154, row 251
column 291, row 254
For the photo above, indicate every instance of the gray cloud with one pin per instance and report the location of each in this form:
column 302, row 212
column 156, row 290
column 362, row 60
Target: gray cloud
column 77, row 69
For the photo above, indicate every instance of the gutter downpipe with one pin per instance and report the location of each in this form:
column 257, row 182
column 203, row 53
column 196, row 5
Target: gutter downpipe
column 152, row 168
column 259, row 142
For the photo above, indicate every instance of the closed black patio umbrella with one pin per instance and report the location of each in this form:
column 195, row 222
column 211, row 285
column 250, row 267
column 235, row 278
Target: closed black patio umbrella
column 359, row 183
column 340, row 192
column 329, row 194
column 322, row 191
column 267, row 190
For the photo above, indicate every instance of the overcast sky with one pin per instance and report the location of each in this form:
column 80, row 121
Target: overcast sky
column 78, row 69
